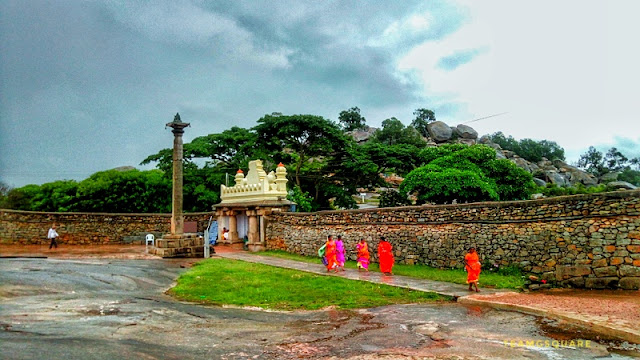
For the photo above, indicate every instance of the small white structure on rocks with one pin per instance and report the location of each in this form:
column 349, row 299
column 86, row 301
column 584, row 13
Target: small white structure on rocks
column 246, row 205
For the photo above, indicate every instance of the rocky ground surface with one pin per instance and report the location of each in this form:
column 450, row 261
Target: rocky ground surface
column 614, row 313
column 105, row 308
column 112, row 308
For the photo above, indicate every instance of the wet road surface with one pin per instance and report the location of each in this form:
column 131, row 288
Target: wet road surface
column 112, row 309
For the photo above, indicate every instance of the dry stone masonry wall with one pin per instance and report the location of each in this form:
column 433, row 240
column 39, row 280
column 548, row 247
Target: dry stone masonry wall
column 590, row 241
column 28, row 227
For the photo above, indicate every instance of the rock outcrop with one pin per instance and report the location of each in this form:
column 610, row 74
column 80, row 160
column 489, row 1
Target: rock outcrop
column 439, row 131
column 556, row 172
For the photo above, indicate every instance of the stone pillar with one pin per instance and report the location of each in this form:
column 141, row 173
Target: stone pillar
column 177, row 217
column 233, row 227
column 254, row 232
column 177, row 243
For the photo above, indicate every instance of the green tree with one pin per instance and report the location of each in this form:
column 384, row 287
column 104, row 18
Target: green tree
column 615, row 160
column 351, row 119
column 393, row 132
column 399, row 158
column 393, row 198
column 630, row 176
column 512, row 182
column 528, row 149
column 432, row 183
column 422, row 119
column 57, row 196
column 303, row 200
column 129, row 191
column 466, row 173
column 299, row 137
column 4, row 192
column 593, row 162
column 22, row 198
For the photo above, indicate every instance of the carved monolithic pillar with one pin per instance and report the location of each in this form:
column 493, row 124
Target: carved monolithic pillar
column 254, row 232
column 177, row 218
column 233, row 227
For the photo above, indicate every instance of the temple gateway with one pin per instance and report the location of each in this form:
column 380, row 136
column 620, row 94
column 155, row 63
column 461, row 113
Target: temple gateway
column 245, row 206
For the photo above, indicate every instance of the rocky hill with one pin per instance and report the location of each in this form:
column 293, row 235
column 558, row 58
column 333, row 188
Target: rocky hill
column 546, row 171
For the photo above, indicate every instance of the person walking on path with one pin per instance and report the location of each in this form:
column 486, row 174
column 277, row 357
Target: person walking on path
column 322, row 253
column 472, row 266
column 330, row 253
column 363, row 255
column 52, row 235
column 385, row 256
column 340, row 253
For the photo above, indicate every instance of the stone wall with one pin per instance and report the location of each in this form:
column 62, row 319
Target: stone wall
column 28, row 227
column 588, row 241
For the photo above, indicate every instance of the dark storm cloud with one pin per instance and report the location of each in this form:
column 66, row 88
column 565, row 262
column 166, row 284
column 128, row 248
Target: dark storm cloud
column 89, row 85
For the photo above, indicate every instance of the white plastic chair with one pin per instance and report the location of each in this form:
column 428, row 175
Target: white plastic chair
column 150, row 239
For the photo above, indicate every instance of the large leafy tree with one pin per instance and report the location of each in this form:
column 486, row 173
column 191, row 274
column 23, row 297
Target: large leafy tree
column 598, row 164
column 593, row 162
column 124, row 191
column 615, row 160
column 422, row 118
column 22, row 198
column 532, row 150
column 466, row 174
column 399, row 158
column 299, row 138
column 393, row 132
column 224, row 153
column 351, row 119
column 56, row 196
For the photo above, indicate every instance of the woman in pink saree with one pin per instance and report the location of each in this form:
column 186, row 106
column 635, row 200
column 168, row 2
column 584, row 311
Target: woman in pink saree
column 340, row 253
column 363, row 255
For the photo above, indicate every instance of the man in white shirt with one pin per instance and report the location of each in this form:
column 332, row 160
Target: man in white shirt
column 52, row 235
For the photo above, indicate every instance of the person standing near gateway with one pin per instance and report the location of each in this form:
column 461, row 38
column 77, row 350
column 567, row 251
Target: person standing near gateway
column 52, row 235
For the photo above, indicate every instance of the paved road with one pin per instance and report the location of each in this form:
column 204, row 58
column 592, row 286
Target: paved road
column 114, row 309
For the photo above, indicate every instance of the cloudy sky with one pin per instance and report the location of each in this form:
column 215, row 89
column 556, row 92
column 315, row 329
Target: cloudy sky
column 88, row 85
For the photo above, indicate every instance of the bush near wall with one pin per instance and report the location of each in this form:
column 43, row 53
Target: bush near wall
column 590, row 240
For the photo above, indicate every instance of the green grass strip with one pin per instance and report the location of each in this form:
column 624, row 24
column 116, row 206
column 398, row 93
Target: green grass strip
column 225, row 281
column 512, row 280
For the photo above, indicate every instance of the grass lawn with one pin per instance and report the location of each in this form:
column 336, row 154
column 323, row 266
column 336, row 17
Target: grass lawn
column 225, row 281
column 510, row 280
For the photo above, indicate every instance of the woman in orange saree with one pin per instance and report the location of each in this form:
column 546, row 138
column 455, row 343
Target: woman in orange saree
column 363, row 255
column 385, row 256
column 472, row 266
column 331, row 253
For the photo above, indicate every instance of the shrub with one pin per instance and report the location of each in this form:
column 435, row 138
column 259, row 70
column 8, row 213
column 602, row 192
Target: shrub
column 393, row 197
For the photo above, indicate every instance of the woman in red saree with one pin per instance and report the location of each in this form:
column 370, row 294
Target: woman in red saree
column 363, row 255
column 385, row 256
column 331, row 254
column 472, row 266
